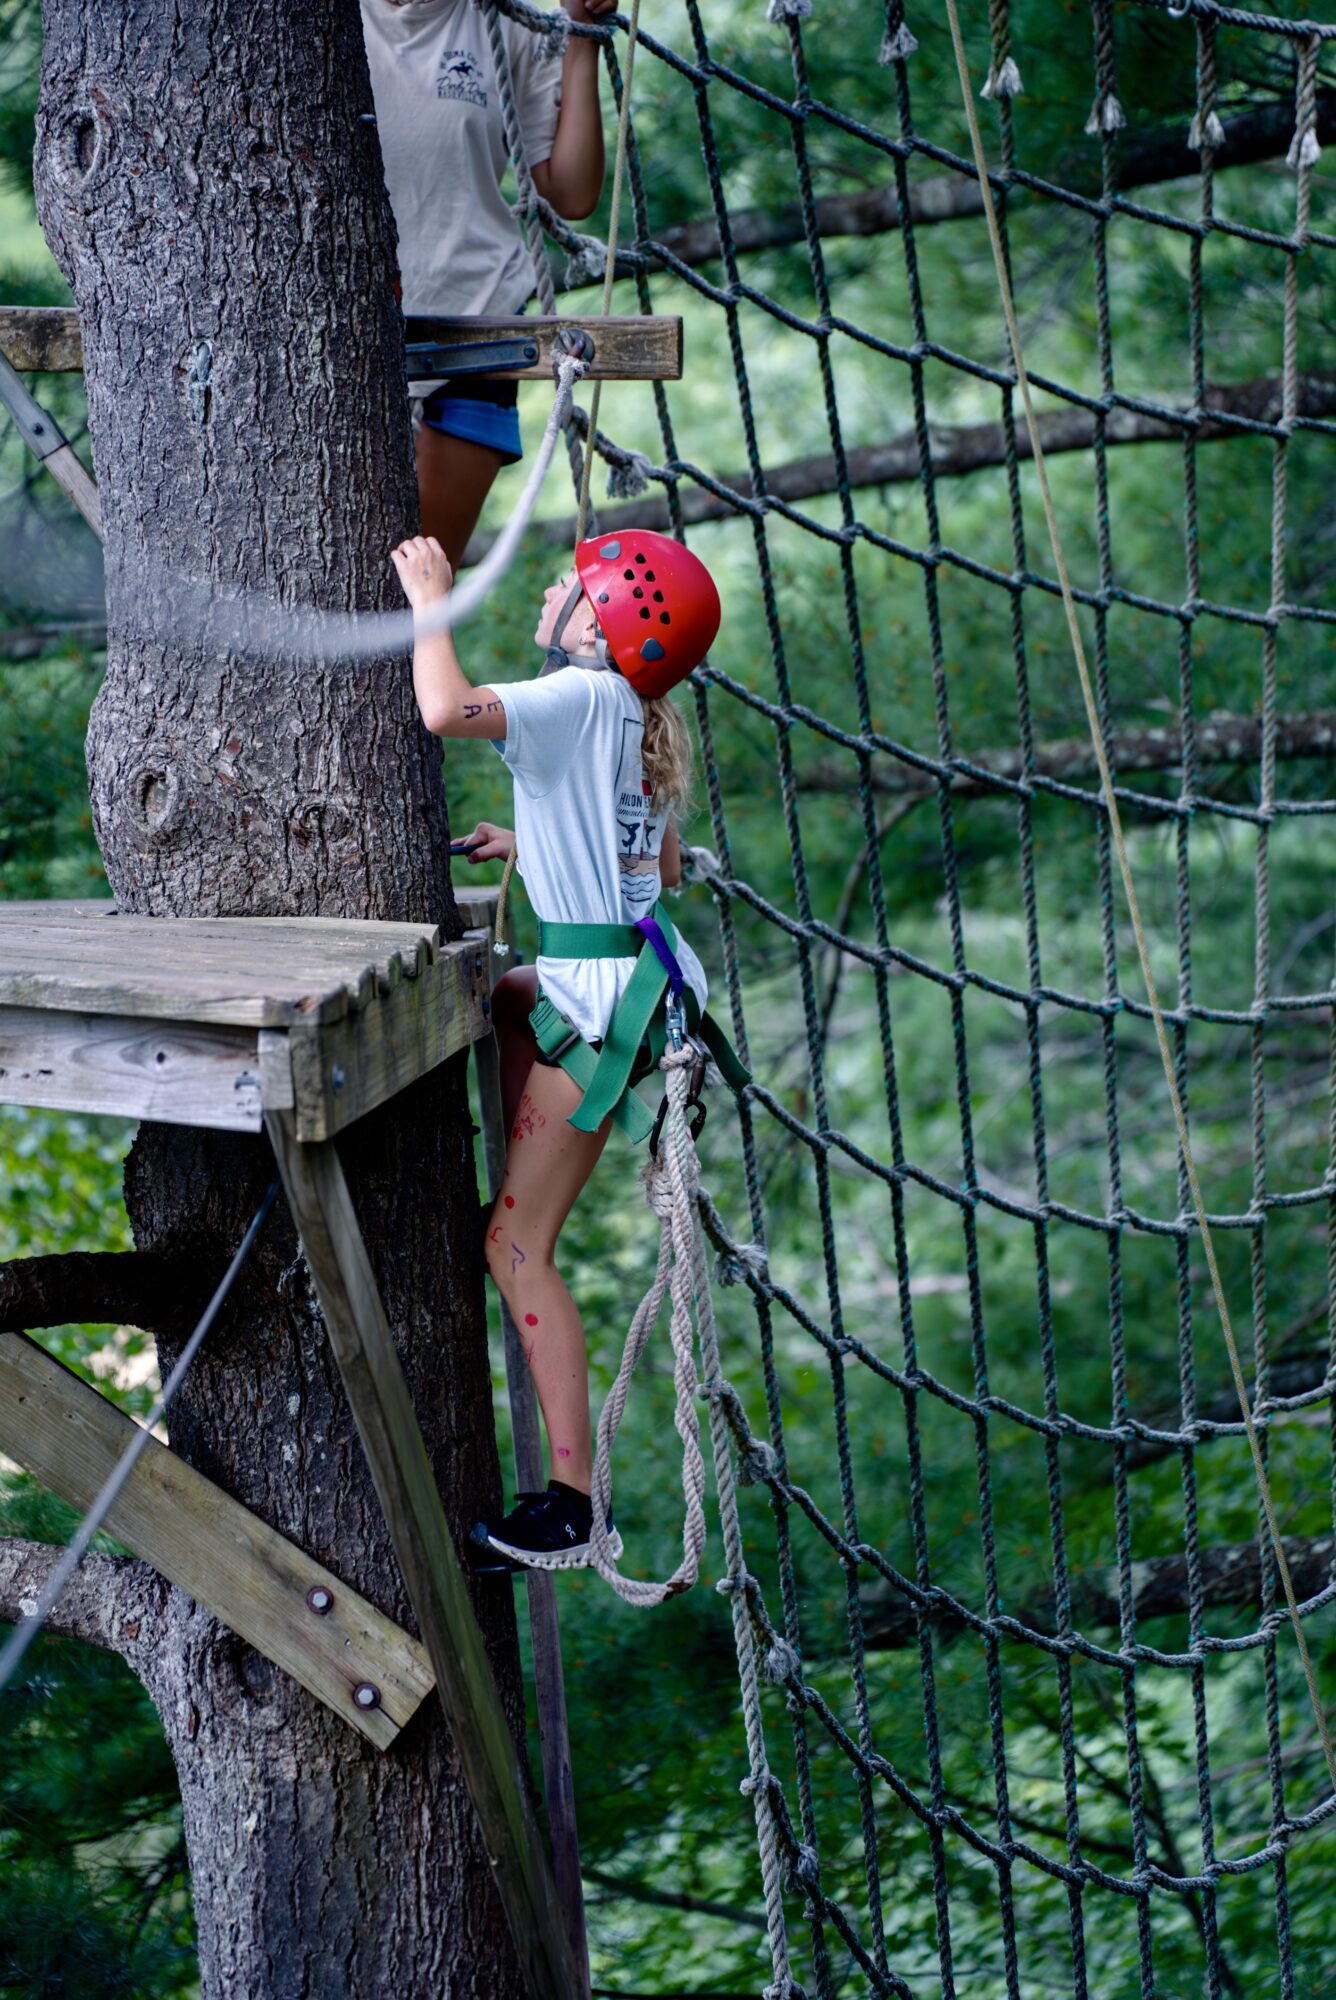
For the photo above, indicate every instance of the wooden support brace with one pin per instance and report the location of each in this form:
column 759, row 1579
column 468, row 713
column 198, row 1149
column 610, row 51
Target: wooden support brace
column 45, row 439
column 298, row 1614
column 633, row 347
column 378, row 1394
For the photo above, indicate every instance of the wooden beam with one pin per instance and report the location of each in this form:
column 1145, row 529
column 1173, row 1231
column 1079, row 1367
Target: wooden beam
column 47, row 442
column 334, row 1643
column 630, row 347
column 41, row 339
column 179, row 1075
column 343, row 1069
column 364, row 1348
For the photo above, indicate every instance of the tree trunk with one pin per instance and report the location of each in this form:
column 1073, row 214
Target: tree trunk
column 218, row 208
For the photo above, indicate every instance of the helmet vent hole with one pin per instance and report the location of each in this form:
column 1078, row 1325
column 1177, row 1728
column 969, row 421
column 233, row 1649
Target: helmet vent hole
column 640, row 558
column 644, row 611
column 649, row 576
column 658, row 595
column 664, row 619
column 637, row 592
column 630, row 575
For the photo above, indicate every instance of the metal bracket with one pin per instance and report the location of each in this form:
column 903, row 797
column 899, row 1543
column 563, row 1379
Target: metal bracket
column 576, row 340
column 36, row 426
column 431, row 359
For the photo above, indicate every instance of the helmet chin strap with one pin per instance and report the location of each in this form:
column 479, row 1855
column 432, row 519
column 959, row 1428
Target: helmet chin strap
column 557, row 656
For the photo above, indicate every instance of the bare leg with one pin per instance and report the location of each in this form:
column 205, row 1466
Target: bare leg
column 454, row 478
column 513, row 999
column 547, row 1164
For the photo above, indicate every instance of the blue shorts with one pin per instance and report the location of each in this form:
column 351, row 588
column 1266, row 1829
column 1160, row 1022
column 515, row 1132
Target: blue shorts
column 459, row 408
column 471, row 407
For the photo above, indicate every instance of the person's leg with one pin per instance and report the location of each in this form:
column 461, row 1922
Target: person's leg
column 513, row 1000
column 547, row 1164
column 454, row 478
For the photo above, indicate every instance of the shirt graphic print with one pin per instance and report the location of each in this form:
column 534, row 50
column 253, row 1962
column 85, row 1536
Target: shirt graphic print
column 641, row 833
column 460, row 77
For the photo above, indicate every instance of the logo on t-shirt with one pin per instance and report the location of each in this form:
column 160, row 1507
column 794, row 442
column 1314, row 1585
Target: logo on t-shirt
column 460, row 76
column 640, row 832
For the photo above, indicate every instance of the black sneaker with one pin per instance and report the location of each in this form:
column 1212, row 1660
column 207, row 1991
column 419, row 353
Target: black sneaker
column 543, row 1531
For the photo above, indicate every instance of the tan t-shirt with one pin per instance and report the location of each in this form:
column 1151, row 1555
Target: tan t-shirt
column 443, row 142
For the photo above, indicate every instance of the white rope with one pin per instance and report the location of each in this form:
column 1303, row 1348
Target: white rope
column 251, row 621
column 672, row 1189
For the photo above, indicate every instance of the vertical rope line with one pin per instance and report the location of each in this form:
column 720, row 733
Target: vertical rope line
column 610, row 269
column 1003, row 84
column 1203, row 136
column 1106, row 120
column 1134, row 910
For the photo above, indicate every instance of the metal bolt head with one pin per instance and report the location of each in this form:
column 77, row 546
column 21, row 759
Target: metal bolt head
column 320, row 1599
column 366, row 1696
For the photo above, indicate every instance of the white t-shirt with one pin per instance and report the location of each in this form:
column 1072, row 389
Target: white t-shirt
column 443, row 142
column 588, row 842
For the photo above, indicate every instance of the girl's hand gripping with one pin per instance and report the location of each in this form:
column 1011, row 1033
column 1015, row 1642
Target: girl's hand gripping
column 424, row 570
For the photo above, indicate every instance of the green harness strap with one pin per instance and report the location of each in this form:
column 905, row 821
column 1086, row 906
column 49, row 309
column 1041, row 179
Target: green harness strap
column 605, row 1076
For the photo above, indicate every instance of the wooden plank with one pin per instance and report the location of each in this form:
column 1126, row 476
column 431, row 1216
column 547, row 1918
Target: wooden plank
column 257, row 971
column 48, row 443
column 41, row 339
column 67, row 1435
column 629, row 347
column 343, row 1069
column 364, row 1348
column 193, row 1075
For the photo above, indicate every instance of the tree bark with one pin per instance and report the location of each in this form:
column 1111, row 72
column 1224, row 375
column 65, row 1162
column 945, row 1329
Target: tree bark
column 217, row 206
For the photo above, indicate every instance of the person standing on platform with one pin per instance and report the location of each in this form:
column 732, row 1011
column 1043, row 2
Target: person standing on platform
column 461, row 251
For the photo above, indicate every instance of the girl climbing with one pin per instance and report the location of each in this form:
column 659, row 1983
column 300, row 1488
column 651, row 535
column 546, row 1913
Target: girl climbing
column 443, row 144
column 598, row 754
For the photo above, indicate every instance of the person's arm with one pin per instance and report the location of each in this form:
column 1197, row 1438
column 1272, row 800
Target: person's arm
column 447, row 702
column 670, row 857
column 572, row 177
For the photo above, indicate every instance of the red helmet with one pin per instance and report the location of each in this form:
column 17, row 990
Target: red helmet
column 656, row 603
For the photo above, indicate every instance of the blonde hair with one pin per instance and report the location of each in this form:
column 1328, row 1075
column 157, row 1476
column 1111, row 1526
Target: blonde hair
column 666, row 754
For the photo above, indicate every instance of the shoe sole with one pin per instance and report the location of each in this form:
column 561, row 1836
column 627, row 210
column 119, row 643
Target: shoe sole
column 574, row 1558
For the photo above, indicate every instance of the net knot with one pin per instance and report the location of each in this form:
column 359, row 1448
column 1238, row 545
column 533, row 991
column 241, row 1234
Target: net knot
column 897, row 45
column 805, row 1868
column 785, row 1988
column 1205, row 133
column 699, row 863
column 788, row 10
column 732, row 1265
column 1106, row 115
column 779, row 1662
column 587, row 261
column 628, row 474
column 757, row 1462
column 1004, row 80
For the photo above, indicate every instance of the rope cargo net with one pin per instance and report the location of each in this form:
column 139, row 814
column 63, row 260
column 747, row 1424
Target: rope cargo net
column 1073, row 1751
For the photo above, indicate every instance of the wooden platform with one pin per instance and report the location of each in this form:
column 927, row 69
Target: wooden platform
column 219, row 1021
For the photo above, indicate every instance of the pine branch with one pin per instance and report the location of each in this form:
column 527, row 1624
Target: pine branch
column 1230, row 1575
column 107, row 1602
column 956, row 451
column 149, row 1289
column 1263, row 134
column 1220, row 738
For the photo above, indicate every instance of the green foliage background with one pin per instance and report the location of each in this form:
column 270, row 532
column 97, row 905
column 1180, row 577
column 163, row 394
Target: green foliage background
column 88, row 1822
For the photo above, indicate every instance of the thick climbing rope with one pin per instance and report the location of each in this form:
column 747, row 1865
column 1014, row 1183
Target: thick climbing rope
column 610, row 266
column 672, row 1190
column 11, row 1658
column 1302, row 155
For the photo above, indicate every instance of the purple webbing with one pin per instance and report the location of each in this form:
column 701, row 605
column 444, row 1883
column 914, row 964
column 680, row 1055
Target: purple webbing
column 650, row 929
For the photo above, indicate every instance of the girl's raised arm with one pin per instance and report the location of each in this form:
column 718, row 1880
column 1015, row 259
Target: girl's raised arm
column 448, row 703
